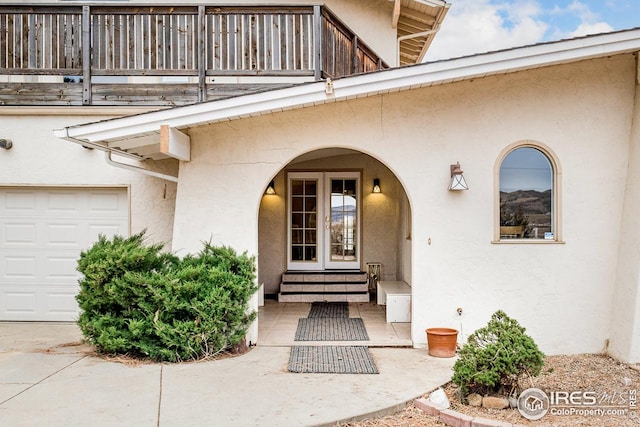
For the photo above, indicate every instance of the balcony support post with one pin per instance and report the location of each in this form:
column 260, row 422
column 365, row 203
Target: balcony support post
column 317, row 41
column 354, row 56
column 202, row 57
column 86, row 55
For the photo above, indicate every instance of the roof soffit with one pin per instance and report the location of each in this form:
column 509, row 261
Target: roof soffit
column 412, row 18
column 121, row 132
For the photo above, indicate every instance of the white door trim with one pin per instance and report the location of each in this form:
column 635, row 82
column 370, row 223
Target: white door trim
column 322, row 218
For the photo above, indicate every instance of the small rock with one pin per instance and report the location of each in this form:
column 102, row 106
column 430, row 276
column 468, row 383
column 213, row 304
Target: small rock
column 513, row 402
column 439, row 397
column 627, row 381
column 495, row 402
column 474, row 399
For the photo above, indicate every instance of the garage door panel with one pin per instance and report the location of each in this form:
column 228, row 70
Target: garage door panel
column 27, row 268
column 65, row 202
column 107, row 229
column 18, row 304
column 62, row 235
column 60, row 267
column 19, row 267
column 43, row 302
column 19, row 234
column 42, row 232
column 17, row 202
column 106, row 203
column 61, row 304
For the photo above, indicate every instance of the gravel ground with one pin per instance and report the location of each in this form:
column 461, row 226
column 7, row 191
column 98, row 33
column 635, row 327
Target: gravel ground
column 613, row 383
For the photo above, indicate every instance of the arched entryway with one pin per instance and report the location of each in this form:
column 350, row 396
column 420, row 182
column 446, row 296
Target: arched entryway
column 324, row 232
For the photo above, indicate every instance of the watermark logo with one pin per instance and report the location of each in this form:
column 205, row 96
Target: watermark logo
column 533, row 404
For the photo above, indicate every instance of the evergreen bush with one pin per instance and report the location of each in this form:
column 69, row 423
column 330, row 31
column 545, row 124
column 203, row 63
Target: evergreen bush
column 496, row 357
column 137, row 300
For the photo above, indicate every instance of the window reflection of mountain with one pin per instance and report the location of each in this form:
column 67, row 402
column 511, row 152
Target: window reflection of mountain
column 530, row 209
column 530, row 202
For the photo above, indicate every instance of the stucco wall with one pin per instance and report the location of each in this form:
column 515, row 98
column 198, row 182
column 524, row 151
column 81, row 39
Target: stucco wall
column 562, row 293
column 39, row 158
column 625, row 320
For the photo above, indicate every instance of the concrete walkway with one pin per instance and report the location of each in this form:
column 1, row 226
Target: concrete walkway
column 46, row 380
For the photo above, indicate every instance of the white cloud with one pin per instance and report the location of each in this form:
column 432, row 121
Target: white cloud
column 589, row 21
column 595, row 28
column 475, row 26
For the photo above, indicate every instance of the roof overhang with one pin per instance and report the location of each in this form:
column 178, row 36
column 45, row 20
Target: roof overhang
column 131, row 134
column 416, row 22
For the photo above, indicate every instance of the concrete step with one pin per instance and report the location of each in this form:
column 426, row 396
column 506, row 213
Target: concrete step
column 319, row 297
column 339, row 276
column 323, row 287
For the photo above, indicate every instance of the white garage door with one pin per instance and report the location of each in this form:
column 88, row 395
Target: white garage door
column 42, row 231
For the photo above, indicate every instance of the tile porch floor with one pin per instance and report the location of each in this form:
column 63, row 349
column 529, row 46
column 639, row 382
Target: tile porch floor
column 278, row 321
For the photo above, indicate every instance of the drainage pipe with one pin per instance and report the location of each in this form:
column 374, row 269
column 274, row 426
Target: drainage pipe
column 138, row 169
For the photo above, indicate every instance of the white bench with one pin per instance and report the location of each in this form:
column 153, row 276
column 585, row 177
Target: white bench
column 396, row 295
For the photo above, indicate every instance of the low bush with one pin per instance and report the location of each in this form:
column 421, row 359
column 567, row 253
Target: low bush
column 496, row 357
column 137, row 300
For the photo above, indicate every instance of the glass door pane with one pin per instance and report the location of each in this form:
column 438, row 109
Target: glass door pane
column 304, row 199
column 323, row 220
column 343, row 236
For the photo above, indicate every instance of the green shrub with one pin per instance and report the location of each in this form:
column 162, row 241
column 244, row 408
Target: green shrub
column 496, row 357
column 137, row 300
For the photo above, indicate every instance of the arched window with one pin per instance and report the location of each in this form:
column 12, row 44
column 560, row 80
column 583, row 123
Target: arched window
column 527, row 197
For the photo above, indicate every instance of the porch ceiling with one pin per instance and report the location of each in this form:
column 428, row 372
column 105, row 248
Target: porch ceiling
column 417, row 22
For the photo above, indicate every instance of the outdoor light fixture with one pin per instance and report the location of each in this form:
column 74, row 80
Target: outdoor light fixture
column 6, row 144
column 376, row 186
column 328, row 86
column 457, row 179
column 271, row 189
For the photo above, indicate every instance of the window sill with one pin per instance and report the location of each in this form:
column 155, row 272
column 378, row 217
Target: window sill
column 527, row 242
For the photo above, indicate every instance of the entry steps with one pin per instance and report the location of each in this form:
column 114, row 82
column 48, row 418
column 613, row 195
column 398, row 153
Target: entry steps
column 331, row 285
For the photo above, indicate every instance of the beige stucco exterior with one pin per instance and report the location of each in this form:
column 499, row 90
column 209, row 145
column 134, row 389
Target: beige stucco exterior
column 38, row 158
column 580, row 294
column 625, row 312
column 561, row 292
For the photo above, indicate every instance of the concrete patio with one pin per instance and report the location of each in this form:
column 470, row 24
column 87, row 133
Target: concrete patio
column 48, row 377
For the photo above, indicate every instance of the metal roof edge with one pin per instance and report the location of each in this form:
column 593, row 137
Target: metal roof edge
column 362, row 85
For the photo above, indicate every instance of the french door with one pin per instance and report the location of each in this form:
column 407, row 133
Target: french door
column 323, row 220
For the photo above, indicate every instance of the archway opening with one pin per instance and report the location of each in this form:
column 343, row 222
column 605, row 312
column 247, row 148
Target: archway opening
column 328, row 235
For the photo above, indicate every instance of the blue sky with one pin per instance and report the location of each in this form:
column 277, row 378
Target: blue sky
column 476, row 26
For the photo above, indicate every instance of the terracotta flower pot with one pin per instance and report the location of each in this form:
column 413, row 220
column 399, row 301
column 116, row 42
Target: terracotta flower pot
column 442, row 342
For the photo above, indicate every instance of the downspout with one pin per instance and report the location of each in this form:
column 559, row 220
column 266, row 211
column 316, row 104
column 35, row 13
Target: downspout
column 138, row 169
column 65, row 135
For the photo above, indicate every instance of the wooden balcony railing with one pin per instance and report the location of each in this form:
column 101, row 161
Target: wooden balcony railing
column 102, row 55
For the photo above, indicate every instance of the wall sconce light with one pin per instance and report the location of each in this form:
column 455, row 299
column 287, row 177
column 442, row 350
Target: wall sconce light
column 376, row 186
column 457, row 179
column 328, row 86
column 6, row 144
column 271, row 189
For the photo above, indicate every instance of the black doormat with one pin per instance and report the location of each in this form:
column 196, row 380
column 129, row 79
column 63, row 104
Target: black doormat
column 328, row 309
column 332, row 360
column 331, row 329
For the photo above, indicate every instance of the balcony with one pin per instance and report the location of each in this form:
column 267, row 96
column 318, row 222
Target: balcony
column 166, row 55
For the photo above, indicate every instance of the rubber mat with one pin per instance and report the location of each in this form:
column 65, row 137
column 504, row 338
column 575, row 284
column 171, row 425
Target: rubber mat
column 332, row 360
column 331, row 329
column 328, row 309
